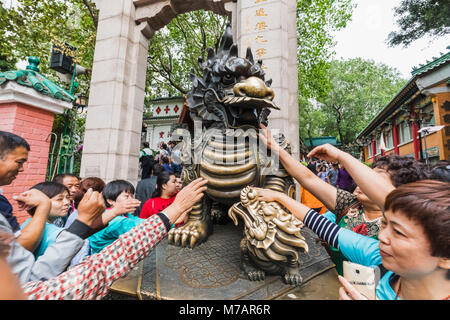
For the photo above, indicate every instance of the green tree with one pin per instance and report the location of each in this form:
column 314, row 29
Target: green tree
column 359, row 89
column 7, row 58
column 31, row 27
column 175, row 49
column 417, row 18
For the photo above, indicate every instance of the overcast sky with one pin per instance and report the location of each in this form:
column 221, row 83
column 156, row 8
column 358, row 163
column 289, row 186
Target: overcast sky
column 365, row 36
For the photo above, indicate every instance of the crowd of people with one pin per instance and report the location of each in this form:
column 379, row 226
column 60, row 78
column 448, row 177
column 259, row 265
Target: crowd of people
column 332, row 173
column 83, row 234
column 167, row 156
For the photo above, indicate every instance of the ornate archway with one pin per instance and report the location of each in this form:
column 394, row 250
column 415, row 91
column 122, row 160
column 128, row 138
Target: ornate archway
column 117, row 91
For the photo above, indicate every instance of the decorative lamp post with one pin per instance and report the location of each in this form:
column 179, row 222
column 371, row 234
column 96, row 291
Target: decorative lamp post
column 81, row 103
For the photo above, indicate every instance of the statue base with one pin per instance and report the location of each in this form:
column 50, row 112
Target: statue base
column 211, row 271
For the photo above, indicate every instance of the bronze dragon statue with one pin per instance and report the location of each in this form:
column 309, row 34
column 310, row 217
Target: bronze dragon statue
column 227, row 104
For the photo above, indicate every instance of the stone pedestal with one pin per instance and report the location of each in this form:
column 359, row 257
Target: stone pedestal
column 211, row 271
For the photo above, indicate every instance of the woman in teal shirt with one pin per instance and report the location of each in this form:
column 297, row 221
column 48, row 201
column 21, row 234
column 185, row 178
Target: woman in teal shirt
column 118, row 196
column 413, row 242
column 60, row 198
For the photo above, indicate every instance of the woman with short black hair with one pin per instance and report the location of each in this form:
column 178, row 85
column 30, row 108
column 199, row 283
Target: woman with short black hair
column 414, row 239
column 119, row 197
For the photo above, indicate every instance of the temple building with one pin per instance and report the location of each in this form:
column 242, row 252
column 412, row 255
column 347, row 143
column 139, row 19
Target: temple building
column 416, row 122
column 163, row 115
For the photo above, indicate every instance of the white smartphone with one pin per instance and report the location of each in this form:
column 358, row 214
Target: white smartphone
column 364, row 279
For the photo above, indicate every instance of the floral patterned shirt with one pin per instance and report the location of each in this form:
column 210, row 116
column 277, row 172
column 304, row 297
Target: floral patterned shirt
column 92, row 277
column 350, row 215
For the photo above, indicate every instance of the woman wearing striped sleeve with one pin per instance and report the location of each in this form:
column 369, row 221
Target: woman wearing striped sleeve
column 414, row 241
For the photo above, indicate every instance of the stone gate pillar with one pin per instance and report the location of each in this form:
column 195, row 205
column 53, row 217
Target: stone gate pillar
column 269, row 28
column 114, row 120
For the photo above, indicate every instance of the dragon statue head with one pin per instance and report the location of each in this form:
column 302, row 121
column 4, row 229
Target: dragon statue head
column 267, row 223
column 232, row 91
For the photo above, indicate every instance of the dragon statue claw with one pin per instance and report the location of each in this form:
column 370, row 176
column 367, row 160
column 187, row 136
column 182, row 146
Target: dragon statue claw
column 189, row 235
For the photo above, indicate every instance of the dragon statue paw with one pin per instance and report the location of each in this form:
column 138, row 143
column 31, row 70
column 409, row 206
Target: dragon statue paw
column 293, row 277
column 189, row 235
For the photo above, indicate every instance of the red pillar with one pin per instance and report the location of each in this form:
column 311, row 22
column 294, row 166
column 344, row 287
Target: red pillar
column 374, row 149
column 395, row 135
column 415, row 133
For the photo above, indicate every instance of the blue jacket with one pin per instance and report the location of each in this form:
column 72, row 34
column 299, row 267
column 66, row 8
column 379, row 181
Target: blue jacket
column 49, row 236
column 51, row 264
column 355, row 247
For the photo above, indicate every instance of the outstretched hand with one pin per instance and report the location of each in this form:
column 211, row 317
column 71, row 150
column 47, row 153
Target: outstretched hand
column 91, row 208
column 267, row 195
column 127, row 206
column 32, row 198
column 185, row 199
column 266, row 137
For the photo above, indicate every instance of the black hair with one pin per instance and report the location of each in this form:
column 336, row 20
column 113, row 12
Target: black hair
column 402, row 169
column 114, row 188
column 60, row 177
column 145, row 144
column 9, row 142
column 440, row 171
column 50, row 189
column 163, row 178
column 165, row 160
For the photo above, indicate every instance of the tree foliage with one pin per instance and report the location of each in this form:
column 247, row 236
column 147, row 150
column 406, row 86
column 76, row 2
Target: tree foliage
column 31, row 27
column 417, row 18
column 359, row 89
column 175, row 49
column 316, row 22
column 7, row 60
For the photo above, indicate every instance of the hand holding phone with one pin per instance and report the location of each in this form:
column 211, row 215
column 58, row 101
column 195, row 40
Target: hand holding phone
column 362, row 278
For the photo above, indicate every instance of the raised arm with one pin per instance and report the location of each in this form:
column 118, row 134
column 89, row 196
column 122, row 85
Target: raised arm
column 31, row 234
column 370, row 182
column 92, row 278
column 323, row 191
